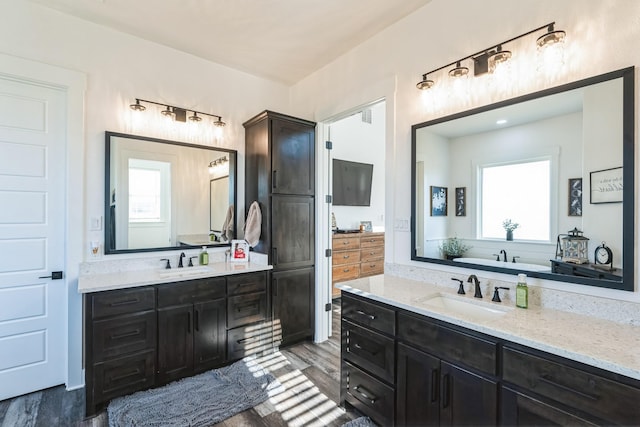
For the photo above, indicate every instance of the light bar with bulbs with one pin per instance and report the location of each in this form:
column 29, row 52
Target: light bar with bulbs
column 178, row 114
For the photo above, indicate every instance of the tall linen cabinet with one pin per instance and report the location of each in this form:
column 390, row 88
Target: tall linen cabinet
column 280, row 176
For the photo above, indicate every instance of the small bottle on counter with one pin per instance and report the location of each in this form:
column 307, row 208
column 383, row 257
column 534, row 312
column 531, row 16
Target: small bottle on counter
column 204, row 256
column 522, row 292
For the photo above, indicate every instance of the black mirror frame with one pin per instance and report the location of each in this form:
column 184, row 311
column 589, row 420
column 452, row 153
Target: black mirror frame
column 233, row 180
column 628, row 152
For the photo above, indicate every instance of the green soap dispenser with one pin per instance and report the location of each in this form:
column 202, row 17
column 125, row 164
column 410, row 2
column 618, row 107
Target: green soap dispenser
column 522, row 292
column 204, row 256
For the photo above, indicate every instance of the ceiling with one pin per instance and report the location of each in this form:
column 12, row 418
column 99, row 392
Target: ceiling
column 281, row 40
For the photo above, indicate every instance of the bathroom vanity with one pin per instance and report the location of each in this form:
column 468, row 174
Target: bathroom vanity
column 418, row 354
column 143, row 329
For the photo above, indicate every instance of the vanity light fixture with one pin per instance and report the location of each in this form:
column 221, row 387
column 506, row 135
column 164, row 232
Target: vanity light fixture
column 486, row 60
column 214, row 164
column 179, row 114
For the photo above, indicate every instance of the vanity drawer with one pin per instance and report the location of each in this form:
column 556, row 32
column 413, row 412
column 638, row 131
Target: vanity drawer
column 369, row 350
column 368, row 241
column 371, row 268
column 122, row 301
column 247, row 340
column 342, row 243
column 454, row 346
column 245, row 283
column 371, row 315
column 367, row 254
column 368, row 395
column 124, row 376
column 604, row 398
column 245, row 309
column 191, row 291
column 126, row 334
column 342, row 273
column 346, row 257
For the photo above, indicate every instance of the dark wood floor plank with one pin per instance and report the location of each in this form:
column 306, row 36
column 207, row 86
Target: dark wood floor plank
column 327, row 385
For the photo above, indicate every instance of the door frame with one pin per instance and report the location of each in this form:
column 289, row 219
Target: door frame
column 74, row 84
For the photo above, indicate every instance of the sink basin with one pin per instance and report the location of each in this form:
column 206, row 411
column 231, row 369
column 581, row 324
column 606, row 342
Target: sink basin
column 185, row 271
column 450, row 304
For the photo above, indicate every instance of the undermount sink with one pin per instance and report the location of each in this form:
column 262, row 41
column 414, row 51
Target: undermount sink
column 452, row 304
column 185, row 271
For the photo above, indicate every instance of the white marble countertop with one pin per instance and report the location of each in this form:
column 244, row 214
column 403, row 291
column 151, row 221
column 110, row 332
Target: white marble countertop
column 604, row 344
column 129, row 279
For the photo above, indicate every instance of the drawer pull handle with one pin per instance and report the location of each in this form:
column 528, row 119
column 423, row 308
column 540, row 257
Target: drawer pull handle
column 242, row 307
column 445, row 391
column 359, row 347
column 435, row 373
column 346, row 270
column 127, row 375
column 365, row 393
column 196, row 323
column 345, row 256
column 549, row 380
column 126, row 334
column 243, row 340
column 125, row 302
column 362, row 313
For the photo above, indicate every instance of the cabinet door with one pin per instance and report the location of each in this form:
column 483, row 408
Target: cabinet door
column 293, row 233
column 175, row 342
column 210, row 335
column 418, row 388
column 293, row 158
column 293, row 305
column 518, row 409
column 467, row 399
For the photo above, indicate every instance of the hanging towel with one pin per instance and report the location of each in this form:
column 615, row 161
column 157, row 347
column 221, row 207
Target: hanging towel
column 227, row 227
column 253, row 225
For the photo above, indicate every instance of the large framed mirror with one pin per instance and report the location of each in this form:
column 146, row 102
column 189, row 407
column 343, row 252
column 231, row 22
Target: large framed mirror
column 164, row 195
column 557, row 164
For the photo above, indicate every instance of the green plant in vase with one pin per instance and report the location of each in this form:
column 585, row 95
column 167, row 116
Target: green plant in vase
column 509, row 226
column 453, row 248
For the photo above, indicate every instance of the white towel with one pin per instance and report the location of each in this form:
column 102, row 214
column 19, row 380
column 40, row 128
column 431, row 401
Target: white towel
column 253, row 225
column 227, row 227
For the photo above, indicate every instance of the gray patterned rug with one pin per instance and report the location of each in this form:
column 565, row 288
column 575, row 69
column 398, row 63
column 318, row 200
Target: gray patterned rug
column 360, row 422
column 201, row 400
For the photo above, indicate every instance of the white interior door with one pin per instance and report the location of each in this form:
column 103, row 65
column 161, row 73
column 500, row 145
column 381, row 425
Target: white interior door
column 32, row 229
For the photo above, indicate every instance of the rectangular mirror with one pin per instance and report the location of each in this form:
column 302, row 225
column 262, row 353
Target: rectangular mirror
column 163, row 195
column 558, row 163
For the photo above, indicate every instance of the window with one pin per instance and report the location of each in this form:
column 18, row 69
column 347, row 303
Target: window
column 520, row 192
column 146, row 190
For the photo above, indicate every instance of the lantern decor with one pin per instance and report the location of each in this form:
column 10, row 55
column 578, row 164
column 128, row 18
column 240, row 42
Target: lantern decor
column 573, row 247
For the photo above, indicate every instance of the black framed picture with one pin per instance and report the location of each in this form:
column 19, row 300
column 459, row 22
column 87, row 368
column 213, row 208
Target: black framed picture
column 575, row 196
column 461, row 201
column 438, row 201
column 606, row 186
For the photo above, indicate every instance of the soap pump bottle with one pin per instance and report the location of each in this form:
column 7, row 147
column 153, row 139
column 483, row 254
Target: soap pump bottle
column 204, row 256
column 522, row 292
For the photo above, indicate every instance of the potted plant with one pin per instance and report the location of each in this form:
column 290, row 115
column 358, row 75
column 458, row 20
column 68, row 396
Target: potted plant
column 509, row 226
column 453, row 248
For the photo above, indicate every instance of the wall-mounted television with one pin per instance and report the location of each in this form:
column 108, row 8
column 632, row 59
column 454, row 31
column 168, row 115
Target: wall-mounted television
column 351, row 183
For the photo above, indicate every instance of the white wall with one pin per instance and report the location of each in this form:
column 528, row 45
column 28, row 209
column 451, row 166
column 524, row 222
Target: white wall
column 357, row 141
column 441, row 32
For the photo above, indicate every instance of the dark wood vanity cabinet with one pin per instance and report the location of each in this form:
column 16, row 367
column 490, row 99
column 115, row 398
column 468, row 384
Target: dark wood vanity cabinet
column 280, row 176
column 143, row 337
column 449, row 375
column 191, row 327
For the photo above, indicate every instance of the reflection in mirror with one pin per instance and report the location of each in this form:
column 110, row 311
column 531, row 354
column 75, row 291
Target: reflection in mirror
column 519, row 178
column 160, row 195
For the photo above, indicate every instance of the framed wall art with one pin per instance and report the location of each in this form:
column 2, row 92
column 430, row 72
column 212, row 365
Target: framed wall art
column 461, row 201
column 575, row 196
column 606, row 186
column 438, row 200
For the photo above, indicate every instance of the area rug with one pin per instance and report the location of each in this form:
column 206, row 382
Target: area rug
column 360, row 422
column 201, row 400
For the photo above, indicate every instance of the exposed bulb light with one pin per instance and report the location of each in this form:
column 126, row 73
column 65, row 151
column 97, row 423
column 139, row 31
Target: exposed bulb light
column 195, row 117
column 137, row 106
column 459, row 71
column 219, row 123
column 167, row 112
column 425, row 83
column 551, row 37
column 218, row 163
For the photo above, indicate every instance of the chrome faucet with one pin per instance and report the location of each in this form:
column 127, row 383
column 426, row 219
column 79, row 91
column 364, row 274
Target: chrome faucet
column 182, row 255
column 473, row 278
column 504, row 255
